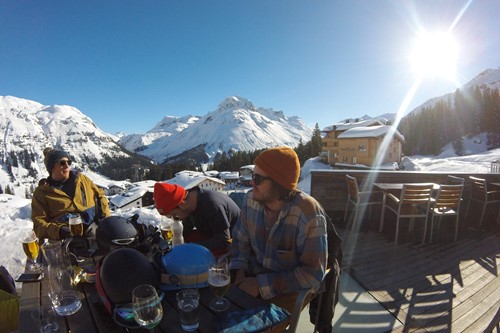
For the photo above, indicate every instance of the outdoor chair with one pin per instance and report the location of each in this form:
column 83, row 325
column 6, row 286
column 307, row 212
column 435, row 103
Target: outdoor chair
column 454, row 180
column 414, row 202
column 446, row 203
column 480, row 194
column 359, row 200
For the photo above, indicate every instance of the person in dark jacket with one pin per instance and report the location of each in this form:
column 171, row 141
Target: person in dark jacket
column 207, row 216
column 63, row 193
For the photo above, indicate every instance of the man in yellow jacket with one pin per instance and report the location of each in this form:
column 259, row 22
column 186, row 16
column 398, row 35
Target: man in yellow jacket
column 63, row 193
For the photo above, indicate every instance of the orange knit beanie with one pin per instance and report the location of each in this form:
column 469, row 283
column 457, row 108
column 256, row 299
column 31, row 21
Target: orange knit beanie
column 281, row 164
column 168, row 196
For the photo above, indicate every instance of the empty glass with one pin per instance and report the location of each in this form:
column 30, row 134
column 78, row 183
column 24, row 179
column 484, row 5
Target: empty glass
column 147, row 307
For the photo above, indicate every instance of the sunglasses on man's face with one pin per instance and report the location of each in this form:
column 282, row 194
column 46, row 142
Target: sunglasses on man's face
column 64, row 162
column 257, row 179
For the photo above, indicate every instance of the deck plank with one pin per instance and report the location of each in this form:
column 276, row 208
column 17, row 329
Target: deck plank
column 445, row 286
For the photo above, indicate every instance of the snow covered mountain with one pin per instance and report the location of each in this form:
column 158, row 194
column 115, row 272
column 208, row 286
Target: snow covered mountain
column 28, row 127
column 237, row 124
column 489, row 78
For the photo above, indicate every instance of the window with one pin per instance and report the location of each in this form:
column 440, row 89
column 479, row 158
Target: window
column 362, row 148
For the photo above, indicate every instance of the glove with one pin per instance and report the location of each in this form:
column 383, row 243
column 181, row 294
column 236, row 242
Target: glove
column 64, row 232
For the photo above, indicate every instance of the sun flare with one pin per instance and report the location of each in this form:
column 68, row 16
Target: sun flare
column 435, row 55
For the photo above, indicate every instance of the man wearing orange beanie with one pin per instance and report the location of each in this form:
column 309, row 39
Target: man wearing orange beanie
column 212, row 213
column 280, row 240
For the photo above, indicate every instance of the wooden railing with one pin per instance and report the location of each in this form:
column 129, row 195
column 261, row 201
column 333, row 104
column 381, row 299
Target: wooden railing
column 329, row 187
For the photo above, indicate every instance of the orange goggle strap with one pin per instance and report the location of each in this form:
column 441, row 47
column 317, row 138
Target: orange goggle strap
column 183, row 280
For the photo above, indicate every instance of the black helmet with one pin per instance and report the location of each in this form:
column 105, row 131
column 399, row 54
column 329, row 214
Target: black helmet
column 118, row 273
column 113, row 232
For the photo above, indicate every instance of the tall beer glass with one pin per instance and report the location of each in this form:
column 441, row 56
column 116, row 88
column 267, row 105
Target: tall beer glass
column 31, row 249
column 218, row 280
column 75, row 225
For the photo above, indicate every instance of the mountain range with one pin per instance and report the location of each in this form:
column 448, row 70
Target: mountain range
column 28, row 127
column 235, row 125
column 489, row 78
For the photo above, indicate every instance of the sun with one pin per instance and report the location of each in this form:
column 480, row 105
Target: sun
column 434, row 55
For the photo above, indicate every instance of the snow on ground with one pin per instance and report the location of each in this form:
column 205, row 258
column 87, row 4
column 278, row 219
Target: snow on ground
column 15, row 211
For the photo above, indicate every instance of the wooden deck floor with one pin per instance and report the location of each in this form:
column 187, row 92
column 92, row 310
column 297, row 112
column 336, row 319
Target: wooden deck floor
column 439, row 287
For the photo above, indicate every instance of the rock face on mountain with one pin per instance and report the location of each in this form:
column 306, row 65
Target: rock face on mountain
column 236, row 124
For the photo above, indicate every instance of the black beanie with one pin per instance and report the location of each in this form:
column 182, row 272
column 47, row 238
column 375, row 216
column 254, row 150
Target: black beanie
column 51, row 156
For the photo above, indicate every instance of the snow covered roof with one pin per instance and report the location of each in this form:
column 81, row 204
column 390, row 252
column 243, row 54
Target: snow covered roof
column 190, row 179
column 345, row 126
column 371, row 132
column 133, row 194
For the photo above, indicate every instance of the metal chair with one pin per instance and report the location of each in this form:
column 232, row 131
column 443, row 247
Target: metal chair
column 305, row 297
column 359, row 199
column 454, row 180
column 413, row 202
column 446, row 203
column 481, row 195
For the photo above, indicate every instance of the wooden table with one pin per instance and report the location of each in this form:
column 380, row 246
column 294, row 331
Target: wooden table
column 92, row 317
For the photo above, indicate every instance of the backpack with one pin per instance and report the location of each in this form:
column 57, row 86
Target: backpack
column 6, row 281
column 330, row 297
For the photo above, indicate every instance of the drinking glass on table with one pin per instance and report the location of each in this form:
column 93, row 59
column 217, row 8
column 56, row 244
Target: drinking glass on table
column 147, row 307
column 46, row 315
column 188, row 301
column 166, row 229
column 218, row 280
column 31, row 249
column 75, row 225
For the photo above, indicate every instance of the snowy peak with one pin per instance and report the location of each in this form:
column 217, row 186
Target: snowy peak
column 235, row 125
column 28, row 127
column 487, row 78
column 235, row 102
column 170, row 124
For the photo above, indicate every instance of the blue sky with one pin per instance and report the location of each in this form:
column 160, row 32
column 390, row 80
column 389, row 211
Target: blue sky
column 126, row 64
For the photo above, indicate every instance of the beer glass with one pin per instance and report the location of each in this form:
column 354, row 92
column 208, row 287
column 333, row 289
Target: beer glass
column 218, row 280
column 147, row 307
column 75, row 225
column 166, row 229
column 31, row 249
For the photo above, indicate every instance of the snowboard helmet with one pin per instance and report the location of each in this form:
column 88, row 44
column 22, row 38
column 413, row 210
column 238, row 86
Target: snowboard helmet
column 186, row 266
column 117, row 274
column 114, row 232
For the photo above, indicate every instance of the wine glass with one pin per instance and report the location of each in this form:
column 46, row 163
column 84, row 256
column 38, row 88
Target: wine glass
column 147, row 307
column 31, row 249
column 218, row 280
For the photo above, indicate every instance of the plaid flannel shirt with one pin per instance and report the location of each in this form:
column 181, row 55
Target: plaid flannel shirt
column 292, row 255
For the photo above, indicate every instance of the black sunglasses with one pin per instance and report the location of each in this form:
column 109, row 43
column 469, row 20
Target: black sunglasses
column 64, row 162
column 257, row 179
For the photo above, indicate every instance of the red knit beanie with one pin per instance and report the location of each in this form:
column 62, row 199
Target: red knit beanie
column 168, row 196
column 281, row 164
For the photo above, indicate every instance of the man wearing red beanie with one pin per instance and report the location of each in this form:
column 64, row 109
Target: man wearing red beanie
column 280, row 240
column 212, row 213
